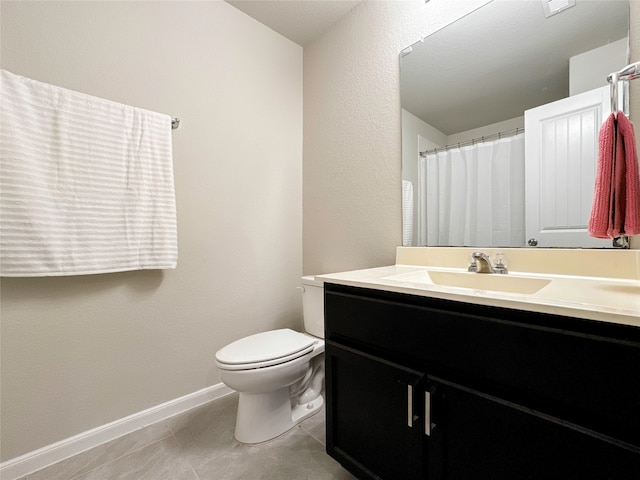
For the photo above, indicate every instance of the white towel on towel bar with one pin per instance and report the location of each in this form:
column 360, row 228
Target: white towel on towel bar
column 86, row 184
column 407, row 213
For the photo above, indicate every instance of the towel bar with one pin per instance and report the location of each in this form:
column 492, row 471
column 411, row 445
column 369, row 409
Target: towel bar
column 629, row 72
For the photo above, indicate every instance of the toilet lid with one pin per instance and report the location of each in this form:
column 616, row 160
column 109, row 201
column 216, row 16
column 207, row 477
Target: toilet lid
column 264, row 349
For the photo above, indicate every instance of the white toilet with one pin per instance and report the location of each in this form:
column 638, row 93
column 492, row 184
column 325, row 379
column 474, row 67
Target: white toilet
column 278, row 374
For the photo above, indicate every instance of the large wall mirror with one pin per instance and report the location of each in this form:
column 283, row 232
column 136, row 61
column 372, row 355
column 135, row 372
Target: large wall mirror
column 500, row 116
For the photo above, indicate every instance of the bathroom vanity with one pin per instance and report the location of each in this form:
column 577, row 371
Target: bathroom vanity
column 432, row 382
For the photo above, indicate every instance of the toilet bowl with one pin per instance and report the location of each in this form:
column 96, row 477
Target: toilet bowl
column 278, row 374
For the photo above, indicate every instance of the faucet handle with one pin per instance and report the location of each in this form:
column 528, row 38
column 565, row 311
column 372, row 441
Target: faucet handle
column 500, row 263
column 473, row 266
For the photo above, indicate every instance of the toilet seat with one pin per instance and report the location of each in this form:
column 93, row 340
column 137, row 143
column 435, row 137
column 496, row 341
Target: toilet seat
column 264, row 350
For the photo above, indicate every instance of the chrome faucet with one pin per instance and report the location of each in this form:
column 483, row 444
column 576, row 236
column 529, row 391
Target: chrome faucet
column 480, row 263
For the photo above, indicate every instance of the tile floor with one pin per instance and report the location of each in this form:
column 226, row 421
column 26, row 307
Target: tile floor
column 199, row 445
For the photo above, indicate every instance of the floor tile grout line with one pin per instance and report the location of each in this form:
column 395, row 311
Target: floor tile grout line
column 182, row 452
column 316, row 439
column 173, row 434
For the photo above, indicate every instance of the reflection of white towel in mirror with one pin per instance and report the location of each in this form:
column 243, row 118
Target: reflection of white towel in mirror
column 407, row 213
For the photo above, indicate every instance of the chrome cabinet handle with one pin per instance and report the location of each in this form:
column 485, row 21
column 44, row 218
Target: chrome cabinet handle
column 410, row 406
column 427, row 413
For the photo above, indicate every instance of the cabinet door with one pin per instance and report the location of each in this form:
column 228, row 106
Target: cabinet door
column 478, row 437
column 375, row 415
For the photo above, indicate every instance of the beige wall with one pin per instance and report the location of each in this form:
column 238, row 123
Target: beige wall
column 79, row 352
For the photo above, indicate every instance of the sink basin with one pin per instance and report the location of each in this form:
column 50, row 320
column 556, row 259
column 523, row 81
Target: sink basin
column 476, row 281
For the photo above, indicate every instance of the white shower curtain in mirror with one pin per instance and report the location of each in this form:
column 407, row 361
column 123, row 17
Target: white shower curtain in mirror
column 473, row 195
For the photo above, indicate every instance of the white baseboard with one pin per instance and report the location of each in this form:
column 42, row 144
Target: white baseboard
column 43, row 457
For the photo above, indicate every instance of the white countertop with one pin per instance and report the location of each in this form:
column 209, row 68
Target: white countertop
column 611, row 300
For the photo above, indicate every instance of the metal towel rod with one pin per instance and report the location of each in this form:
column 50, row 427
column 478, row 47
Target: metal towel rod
column 629, row 72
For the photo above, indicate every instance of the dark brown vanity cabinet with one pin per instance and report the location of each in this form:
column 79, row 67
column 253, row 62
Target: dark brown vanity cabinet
column 422, row 388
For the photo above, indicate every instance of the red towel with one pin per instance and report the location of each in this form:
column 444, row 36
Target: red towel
column 600, row 217
column 629, row 188
column 616, row 200
column 618, row 192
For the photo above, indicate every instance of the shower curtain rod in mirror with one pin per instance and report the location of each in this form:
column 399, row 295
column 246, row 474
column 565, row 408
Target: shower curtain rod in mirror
column 473, row 141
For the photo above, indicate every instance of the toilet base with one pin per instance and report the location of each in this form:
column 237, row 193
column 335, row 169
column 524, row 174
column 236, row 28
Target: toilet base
column 264, row 416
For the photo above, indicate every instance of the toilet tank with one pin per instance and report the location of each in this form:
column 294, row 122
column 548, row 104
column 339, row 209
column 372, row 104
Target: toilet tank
column 313, row 306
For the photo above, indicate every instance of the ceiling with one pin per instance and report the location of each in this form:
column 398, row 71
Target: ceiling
column 301, row 21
